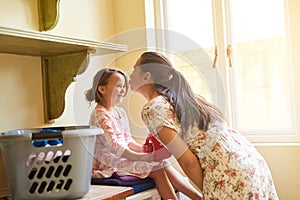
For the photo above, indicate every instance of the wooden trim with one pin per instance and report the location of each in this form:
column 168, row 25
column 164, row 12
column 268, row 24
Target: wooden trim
column 105, row 192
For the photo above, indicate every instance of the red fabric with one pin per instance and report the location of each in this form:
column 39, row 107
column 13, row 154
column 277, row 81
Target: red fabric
column 152, row 145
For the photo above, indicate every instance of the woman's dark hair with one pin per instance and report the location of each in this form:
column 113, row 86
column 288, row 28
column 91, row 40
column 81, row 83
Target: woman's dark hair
column 101, row 78
column 189, row 108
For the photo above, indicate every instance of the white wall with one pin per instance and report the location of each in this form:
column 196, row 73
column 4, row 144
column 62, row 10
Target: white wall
column 284, row 163
column 21, row 101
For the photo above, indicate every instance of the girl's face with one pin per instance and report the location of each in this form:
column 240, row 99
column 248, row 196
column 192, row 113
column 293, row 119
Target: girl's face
column 114, row 91
column 136, row 78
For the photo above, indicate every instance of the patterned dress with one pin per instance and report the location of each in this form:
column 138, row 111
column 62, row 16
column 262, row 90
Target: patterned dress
column 232, row 167
column 110, row 146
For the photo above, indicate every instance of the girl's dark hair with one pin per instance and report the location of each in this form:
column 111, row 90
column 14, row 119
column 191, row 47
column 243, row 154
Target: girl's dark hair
column 101, row 78
column 189, row 108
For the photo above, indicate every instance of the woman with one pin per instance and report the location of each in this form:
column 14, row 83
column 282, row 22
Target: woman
column 115, row 150
column 220, row 161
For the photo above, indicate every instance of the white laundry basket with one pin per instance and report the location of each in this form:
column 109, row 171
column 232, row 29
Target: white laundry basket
column 60, row 171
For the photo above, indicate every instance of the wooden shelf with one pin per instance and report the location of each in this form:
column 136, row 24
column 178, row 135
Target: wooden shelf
column 35, row 43
column 62, row 59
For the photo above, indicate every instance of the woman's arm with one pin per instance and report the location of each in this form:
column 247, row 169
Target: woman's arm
column 192, row 168
column 186, row 159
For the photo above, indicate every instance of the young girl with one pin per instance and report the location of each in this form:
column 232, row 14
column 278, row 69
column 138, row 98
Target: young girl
column 115, row 150
column 219, row 160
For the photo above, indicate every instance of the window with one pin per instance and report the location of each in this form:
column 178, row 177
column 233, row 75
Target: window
column 248, row 43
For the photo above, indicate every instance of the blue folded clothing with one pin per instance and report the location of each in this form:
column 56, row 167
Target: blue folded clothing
column 143, row 186
column 43, row 143
column 138, row 185
column 117, row 182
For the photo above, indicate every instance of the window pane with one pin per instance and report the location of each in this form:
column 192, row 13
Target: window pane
column 193, row 20
column 263, row 75
column 194, row 77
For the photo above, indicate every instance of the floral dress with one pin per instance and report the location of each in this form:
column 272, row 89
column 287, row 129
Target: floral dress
column 110, row 146
column 232, row 167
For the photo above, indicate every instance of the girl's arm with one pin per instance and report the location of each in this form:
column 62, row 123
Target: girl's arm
column 186, row 159
column 134, row 146
column 126, row 151
column 111, row 141
column 132, row 155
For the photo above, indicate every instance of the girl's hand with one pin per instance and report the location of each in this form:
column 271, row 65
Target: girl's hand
column 147, row 148
column 96, row 174
column 147, row 157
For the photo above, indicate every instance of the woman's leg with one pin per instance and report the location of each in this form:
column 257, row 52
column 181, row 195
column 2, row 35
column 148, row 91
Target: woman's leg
column 164, row 187
column 182, row 184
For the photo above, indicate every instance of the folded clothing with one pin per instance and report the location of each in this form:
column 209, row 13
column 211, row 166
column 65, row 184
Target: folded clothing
column 143, row 186
column 138, row 184
column 43, row 143
column 117, row 182
column 121, row 180
column 125, row 177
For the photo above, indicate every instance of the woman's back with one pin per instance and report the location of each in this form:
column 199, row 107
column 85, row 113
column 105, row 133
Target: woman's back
column 232, row 167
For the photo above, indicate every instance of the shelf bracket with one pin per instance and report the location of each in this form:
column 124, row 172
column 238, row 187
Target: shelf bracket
column 48, row 14
column 58, row 73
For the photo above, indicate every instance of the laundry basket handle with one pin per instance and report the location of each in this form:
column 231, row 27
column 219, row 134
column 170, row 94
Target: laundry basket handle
column 47, row 134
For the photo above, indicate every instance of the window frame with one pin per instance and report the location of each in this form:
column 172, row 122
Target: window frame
column 156, row 18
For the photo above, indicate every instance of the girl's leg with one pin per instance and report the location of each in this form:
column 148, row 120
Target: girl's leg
column 164, row 187
column 182, row 184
